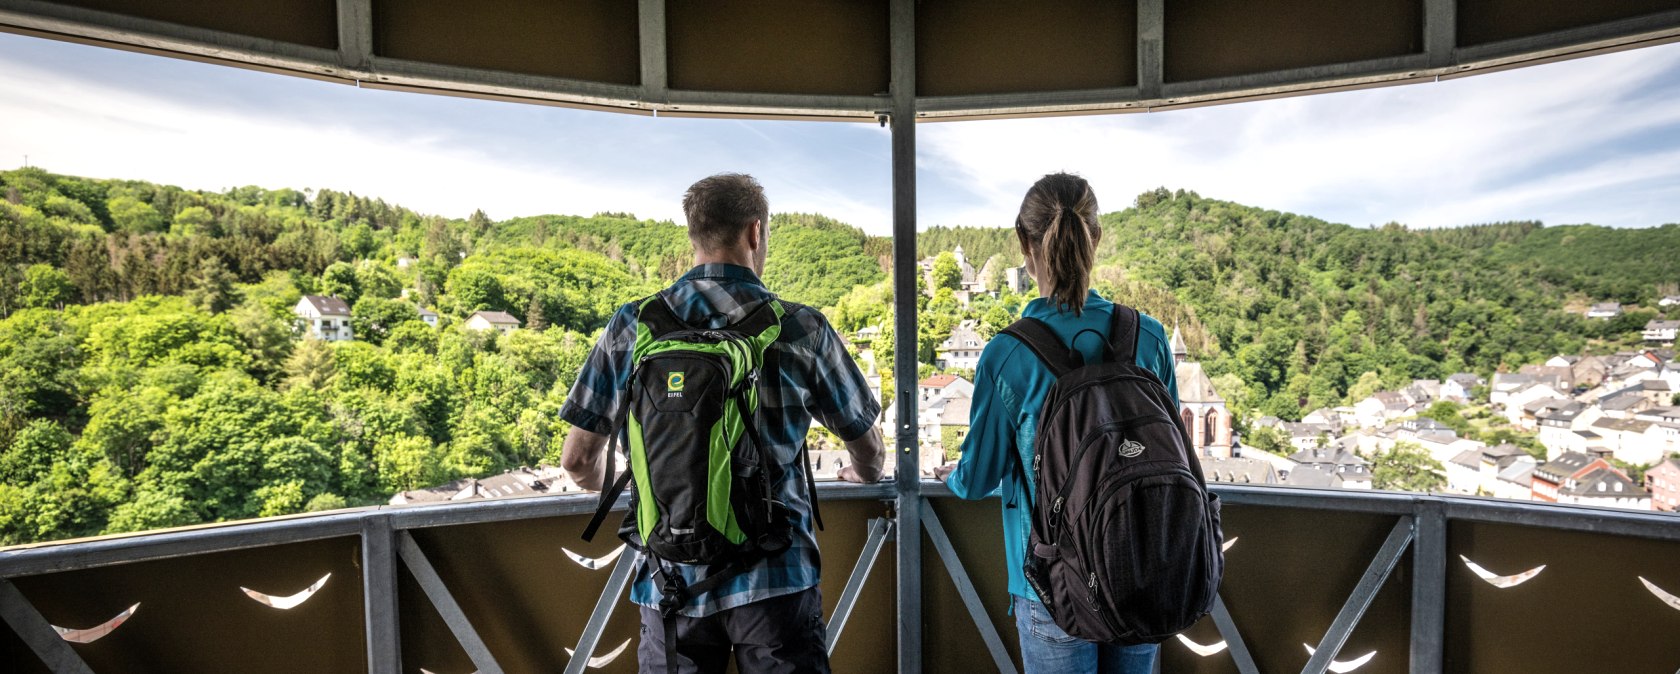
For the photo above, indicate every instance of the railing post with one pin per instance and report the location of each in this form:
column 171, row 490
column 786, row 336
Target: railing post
column 379, row 594
column 1429, row 587
column 909, row 473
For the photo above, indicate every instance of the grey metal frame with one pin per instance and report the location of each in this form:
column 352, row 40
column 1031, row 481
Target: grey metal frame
column 880, row 531
column 355, row 62
column 1421, row 522
column 965, row 589
column 622, row 572
column 38, row 633
column 442, row 600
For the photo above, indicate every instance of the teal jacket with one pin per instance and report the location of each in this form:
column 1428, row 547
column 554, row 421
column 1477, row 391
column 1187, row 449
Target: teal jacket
column 1009, row 388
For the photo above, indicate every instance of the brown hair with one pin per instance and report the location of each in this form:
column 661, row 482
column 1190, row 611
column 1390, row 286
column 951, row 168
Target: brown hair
column 1058, row 221
column 720, row 207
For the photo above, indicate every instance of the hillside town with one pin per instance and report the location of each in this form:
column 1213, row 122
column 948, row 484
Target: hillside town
column 1600, row 430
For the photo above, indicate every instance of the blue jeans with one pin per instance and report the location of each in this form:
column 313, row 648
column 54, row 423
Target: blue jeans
column 1046, row 649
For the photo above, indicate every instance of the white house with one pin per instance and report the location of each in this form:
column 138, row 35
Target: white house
column 429, row 316
column 1669, row 301
column 499, row 321
column 1517, row 400
column 1457, row 387
column 1607, row 488
column 1605, row 311
column 1661, row 331
column 962, row 349
column 946, row 385
column 1516, row 481
column 324, row 318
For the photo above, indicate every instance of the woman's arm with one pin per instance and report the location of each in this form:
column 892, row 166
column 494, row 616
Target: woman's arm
column 991, row 427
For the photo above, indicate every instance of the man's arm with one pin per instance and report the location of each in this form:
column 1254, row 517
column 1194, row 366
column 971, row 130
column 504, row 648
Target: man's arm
column 868, row 455
column 581, row 458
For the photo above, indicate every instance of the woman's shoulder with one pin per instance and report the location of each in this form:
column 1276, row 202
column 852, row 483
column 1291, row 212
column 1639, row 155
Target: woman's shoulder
column 1152, row 335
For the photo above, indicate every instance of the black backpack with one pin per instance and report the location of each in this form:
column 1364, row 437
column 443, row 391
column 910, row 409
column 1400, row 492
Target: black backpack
column 1125, row 544
column 705, row 481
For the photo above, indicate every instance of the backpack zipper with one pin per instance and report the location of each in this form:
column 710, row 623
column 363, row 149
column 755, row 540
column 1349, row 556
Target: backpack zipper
column 1084, row 444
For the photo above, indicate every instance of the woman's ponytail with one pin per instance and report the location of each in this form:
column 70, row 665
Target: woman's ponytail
column 1058, row 221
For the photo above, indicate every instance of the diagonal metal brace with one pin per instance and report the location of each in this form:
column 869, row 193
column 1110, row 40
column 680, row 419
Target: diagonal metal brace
column 965, row 588
column 880, row 530
column 1398, row 539
column 38, row 633
column 1233, row 639
column 445, row 604
column 622, row 572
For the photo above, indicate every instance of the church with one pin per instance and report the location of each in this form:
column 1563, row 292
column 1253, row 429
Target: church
column 1201, row 407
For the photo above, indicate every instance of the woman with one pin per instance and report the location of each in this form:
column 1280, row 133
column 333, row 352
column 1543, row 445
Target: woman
column 1058, row 230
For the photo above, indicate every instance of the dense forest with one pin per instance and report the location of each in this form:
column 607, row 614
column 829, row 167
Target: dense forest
column 151, row 373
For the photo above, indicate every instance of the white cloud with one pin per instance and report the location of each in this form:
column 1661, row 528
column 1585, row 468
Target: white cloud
column 1491, row 147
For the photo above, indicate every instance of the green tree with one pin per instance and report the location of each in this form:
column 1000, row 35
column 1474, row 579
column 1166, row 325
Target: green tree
column 195, row 221
column 374, row 318
column 1406, row 466
column 1369, row 384
column 946, row 272
column 310, row 365
column 46, row 287
column 134, row 216
column 340, row 280
column 33, row 452
column 151, row 509
column 213, row 291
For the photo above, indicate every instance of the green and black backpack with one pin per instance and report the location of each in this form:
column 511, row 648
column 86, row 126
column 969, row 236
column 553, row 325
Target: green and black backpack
column 704, row 480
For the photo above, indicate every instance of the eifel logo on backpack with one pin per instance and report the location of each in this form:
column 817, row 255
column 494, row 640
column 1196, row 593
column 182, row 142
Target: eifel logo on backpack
column 1125, row 542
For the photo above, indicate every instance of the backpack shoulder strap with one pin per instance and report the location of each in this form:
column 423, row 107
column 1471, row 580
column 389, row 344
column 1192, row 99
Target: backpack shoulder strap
column 656, row 314
column 1123, row 330
column 1042, row 341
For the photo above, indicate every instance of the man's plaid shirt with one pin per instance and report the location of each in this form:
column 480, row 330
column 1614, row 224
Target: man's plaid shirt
column 814, row 378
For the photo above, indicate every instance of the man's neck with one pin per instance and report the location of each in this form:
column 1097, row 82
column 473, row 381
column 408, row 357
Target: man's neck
column 739, row 258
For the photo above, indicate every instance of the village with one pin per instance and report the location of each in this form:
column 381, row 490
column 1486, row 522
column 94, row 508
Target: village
column 1599, row 430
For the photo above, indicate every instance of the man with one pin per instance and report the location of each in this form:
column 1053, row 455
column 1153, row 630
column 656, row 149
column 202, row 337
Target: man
column 770, row 616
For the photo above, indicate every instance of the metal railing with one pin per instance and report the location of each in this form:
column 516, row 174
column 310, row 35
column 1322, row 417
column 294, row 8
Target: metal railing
column 1315, row 581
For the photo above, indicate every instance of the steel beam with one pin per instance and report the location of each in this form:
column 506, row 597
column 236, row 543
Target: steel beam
column 57, row 557
column 447, row 607
column 650, row 16
column 1151, row 29
column 965, row 589
column 1440, row 31
column 902, row 27
column 1361, row 597
column 1429, row 588
column 355, row 35
column 38, row 633
column 379, row 597
column 880, row 529
column 597, row 625
column 1234, row 643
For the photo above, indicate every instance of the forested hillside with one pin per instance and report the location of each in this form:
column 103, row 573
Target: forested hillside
column 151, row 371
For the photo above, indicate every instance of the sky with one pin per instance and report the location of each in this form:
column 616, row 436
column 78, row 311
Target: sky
column 1594, row 140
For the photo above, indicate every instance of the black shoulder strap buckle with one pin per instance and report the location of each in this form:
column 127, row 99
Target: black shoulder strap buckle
column 1042, row 341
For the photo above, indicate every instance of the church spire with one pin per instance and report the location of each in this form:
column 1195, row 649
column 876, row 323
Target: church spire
column 1180, row 352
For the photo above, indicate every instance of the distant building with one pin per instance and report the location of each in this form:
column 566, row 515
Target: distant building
column 1551, row 477
column 1238, row 471
column 1605, row 311
column 518, row 482
column 948, row 385
column 1669, row 301
column 429, row 317
column 1016, row 279
column 1203, row 410
column 1605, row 487
column 499, row 321
column 1663, row 483
column 962, row 349
column 1661, row 331
column 1457, row 387
column 324, row 318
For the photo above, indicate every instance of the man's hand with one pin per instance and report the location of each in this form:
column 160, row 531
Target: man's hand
column 867, row 459
column 581, row 458
column 944, row 471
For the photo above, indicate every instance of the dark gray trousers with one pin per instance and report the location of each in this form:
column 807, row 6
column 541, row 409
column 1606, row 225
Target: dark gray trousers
column 780, row 635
